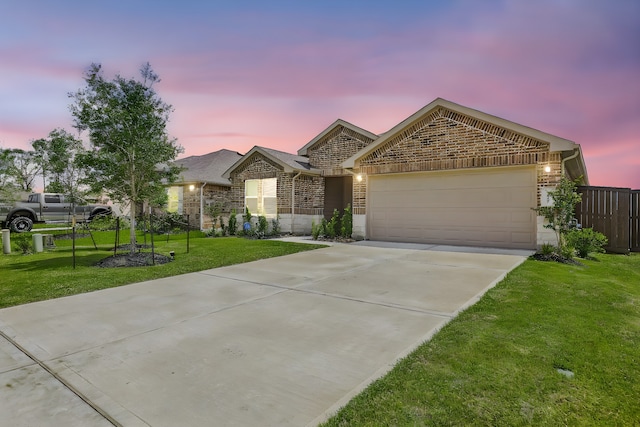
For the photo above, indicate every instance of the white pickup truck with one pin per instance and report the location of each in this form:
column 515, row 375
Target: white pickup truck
column 46, row 207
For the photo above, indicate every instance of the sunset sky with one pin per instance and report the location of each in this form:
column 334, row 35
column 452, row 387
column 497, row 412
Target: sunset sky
column 244, row 73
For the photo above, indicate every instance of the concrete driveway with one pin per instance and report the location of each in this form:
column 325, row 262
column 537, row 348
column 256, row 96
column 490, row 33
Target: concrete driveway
column 278, row 342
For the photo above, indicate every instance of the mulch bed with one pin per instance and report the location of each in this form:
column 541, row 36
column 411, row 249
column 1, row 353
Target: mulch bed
column 556, row 258
column 137, row 259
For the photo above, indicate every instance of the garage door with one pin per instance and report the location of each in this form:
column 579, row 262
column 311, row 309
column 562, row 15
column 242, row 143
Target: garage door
column 488, row 207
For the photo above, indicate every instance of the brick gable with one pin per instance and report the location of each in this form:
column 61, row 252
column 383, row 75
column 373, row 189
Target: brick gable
column 449, row 140
column 334, row 148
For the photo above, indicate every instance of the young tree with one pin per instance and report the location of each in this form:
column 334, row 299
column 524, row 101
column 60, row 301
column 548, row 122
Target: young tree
column 8, row 187
column 23, row 168
column 56, row 156
column 132, row 155
column 560, row 214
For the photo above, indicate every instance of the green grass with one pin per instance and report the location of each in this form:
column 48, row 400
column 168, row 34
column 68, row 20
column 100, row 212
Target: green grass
column 497, row 363
column 50, row 274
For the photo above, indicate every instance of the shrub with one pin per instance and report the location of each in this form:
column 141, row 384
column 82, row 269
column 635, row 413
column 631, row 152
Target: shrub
column 324, row 228
column 333, row 227
column 547, row 249
column 233, row 223
column 247, row 215
column 567, row 251
column 275, row 226
column 315, row 230
column 262, row 226
column 586, row 241
column 108, row 223
column 347, row 223
column 23, row 243
column 214, row 211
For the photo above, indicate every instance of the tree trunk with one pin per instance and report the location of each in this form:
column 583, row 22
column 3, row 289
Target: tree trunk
column 132, row 228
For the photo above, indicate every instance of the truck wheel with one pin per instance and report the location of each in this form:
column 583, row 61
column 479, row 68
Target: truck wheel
column 99, row 215
column 21, row 224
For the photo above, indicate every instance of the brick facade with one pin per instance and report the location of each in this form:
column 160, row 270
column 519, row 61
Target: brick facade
column 447, row 140
column 212, row 194
column 309, row 191
column 336, row 147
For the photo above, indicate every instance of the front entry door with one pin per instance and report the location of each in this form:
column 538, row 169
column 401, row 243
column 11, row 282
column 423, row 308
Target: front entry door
column 338, row 193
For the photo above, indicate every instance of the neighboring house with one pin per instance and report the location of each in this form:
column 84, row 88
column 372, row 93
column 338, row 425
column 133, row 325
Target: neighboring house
column 448, row 174
column 201, row 183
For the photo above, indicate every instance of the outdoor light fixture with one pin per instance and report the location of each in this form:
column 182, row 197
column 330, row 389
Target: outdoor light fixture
column 547, row 169
column 172, row 254
column 359, row 178
column 192, row 187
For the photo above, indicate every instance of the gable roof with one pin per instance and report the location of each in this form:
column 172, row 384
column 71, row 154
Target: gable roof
column 556, row 143
column 289, row 162
column 208, row 167
column 331, row 128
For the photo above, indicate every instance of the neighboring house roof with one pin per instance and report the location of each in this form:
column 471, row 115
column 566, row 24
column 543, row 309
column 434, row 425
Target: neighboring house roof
column 331, row 128
column 289, row 162
column 576, row 164
column 208, row 168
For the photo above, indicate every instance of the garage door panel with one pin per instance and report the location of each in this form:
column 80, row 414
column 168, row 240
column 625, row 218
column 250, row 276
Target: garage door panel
column 489, row 207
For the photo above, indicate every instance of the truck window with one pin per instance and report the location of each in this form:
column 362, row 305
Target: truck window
column 33, row 198
column 52, row 198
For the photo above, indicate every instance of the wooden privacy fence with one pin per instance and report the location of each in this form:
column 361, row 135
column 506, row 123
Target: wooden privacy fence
column 614, row 212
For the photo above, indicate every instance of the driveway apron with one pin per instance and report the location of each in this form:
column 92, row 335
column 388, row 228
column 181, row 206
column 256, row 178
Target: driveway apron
column 278, row 342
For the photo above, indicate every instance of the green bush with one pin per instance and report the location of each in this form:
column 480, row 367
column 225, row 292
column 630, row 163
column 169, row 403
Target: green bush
column 247, row 215
column 333, row 227
column 324, row 228
column 233, row 223
column 23, row 243
column 262, row 226
column 567, row 251
column 586, row 241
column 108, row 223
column 547, row 249
column 315, row 230
column 275, row 226
column 347, row 223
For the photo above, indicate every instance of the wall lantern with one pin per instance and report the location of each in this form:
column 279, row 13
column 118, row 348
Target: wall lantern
column 359, row 178
column 192, row 187
column 547, row 169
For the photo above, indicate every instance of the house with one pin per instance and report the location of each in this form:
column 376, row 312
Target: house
column 447, row 174
column 200, row 184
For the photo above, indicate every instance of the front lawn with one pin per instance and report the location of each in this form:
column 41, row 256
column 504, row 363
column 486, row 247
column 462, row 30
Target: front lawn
column 552, row 344
column 50, row 274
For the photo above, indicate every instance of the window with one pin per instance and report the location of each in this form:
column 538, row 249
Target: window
column 174, row 195
column 260, row 196
column 52, row 198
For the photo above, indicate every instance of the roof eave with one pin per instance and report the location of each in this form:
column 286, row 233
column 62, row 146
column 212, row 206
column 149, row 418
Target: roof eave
column 555, row 143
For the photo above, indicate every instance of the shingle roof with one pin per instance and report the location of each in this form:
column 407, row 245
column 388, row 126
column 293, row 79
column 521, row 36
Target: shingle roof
column 295, row 161
column 289, row 162
column 208, row 167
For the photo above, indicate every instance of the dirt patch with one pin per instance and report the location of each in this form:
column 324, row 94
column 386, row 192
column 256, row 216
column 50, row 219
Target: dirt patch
column 132, row 260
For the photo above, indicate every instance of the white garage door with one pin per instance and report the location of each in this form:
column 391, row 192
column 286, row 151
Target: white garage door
column 487, row 207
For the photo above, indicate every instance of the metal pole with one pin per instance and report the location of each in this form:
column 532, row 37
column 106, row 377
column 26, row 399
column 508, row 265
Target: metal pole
column 188, row 233
column 153, row 250
column 73, row 239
